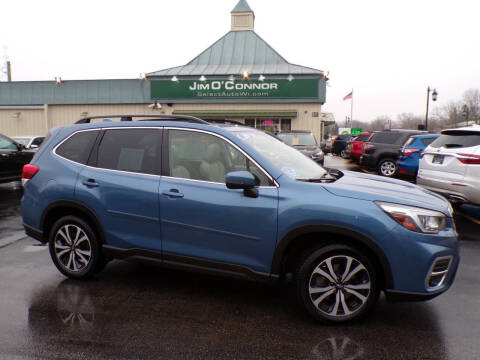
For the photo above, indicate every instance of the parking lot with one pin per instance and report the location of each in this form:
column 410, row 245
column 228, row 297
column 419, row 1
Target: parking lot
column 133, row 311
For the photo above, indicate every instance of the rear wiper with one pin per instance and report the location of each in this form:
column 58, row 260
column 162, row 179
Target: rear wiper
column 452, row 145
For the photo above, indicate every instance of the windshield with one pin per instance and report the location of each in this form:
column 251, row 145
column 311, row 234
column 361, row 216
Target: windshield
column 289, row 161
column 298, row 139
column 23, row 141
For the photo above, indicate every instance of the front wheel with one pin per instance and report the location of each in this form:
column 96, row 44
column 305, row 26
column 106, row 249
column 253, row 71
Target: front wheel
column 387, row 167
column 74, row 248
column 337, row 284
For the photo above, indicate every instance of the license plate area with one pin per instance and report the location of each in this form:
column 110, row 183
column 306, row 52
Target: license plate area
column 437, row 159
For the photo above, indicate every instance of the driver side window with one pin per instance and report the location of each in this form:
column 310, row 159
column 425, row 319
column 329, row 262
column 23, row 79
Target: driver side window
column 198, row 156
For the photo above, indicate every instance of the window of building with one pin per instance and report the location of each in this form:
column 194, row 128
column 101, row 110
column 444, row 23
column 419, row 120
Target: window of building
column 78, row 147
column 199, row 156
column 134, row 150
column 271, row 125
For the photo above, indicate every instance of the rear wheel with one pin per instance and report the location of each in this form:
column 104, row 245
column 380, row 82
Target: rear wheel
column 337, row 284
column 74, row 248
column 387, row 167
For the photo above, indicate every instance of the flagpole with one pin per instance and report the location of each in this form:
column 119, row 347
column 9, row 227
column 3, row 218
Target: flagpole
column 351, row 110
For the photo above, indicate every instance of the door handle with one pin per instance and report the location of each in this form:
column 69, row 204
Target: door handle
column 90, row 183
column 173, row 193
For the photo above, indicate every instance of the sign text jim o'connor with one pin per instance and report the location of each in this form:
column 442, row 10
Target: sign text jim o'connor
column 193, row 89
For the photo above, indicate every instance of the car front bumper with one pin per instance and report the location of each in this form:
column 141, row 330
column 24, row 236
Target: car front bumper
column 423, row 265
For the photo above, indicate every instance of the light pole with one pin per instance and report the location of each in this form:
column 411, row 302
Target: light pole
column 434, row 98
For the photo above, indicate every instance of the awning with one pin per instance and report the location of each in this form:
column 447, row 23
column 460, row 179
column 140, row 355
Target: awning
column 238, row 113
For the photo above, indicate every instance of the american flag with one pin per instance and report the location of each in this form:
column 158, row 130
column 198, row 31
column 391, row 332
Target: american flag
column 349, row 96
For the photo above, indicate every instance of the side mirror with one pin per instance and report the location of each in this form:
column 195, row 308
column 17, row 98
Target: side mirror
column 242, row 180
column 20, row 147
column 33, row 147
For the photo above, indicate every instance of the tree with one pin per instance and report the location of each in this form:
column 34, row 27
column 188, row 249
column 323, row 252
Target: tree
column 471, row 98
column 451, row 114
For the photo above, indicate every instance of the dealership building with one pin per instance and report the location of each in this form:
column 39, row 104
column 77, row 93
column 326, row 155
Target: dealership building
column 240, row 77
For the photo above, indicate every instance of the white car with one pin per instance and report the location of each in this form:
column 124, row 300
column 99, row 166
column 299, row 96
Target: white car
column 30, row 142
column 451, row 165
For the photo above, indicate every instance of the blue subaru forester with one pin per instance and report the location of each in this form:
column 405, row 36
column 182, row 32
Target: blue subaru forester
column 235, row 201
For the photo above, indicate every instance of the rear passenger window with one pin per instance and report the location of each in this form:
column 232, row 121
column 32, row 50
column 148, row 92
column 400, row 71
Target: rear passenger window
column 78, row 147
column 133, row 150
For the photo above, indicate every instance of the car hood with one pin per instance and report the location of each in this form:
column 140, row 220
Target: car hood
column 377, row 188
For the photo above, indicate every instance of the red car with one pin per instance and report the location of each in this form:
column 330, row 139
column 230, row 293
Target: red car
column 357, row 148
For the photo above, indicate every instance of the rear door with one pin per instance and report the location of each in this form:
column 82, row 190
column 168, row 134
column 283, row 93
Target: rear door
column 121, row 186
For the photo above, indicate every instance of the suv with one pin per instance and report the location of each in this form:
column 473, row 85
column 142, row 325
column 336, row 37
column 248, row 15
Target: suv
column 451, row 165
column 305, row 142
column 409, row 155
column 12, row 159
column 358, row 144
column 233, row 200
column 381, row 151
column 339, row 144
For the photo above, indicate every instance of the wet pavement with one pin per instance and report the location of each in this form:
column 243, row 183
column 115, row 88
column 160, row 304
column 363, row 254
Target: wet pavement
column 134, row 311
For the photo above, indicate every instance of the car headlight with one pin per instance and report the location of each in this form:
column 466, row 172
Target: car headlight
column 414, row 218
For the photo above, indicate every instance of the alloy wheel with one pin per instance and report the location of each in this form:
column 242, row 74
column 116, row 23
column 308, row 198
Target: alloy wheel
column 340, row 286
column 73, row 249
column 388, row 168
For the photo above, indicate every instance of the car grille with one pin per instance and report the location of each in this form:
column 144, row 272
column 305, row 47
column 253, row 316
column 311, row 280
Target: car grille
column 438, row 272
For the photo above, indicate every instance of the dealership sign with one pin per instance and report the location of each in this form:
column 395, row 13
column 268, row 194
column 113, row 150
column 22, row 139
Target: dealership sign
column 225, row 89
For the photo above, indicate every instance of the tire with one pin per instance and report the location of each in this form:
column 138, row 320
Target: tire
column 350, row 296
column 343, row 154
column 387, row 167
column 75, row 249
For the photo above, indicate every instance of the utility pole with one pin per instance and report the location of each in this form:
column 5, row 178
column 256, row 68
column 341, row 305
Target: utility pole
column 9, row 71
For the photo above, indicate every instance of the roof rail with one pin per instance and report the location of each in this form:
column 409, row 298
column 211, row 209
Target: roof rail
column 225, row 121
column 185, row 118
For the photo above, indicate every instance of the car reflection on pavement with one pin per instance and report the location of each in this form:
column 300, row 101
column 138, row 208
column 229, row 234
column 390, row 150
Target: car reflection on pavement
column 135, row 311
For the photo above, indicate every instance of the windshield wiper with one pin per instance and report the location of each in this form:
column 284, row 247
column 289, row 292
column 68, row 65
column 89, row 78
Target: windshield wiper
column 325, row 178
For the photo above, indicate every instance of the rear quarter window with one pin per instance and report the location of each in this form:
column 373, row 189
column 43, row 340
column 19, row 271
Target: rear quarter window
column 457, row 140
column 78, row 147
column 385, row 138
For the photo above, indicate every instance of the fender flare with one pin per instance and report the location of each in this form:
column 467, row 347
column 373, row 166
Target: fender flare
column 77, row 206
column 363, row 239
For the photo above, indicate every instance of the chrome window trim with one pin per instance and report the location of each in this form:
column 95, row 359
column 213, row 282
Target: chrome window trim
column 100, row 168
column 210, row 182
column 276, row 184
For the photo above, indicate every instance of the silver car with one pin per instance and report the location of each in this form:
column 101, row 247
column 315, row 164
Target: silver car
column 451, row 165
column 30, row 142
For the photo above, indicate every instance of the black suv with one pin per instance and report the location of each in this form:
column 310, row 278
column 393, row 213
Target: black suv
column 305, row 142
column 381, row 152
column 12, row 159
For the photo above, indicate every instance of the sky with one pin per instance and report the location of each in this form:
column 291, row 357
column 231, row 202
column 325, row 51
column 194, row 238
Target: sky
column 387, row 51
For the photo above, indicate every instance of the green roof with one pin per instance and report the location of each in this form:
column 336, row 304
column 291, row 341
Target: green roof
column 234, row 53
column 127, row 91
column 242, row 6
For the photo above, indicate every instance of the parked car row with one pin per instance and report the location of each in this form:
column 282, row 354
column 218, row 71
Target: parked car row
column 447, row 163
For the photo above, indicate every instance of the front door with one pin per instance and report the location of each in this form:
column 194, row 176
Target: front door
column 203, row 219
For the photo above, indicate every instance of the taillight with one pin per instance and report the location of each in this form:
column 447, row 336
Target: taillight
column 408, row 152
column 28, row 172
column 469, row 159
